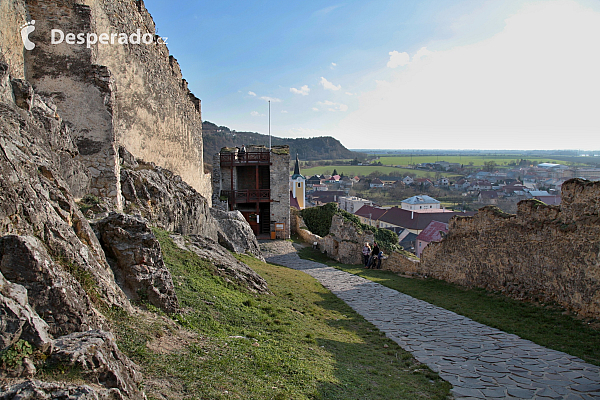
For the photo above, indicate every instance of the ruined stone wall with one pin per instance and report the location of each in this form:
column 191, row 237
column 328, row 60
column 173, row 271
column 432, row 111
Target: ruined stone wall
column 113, row 95
column 543, row 253
column 158, row 118
column 401, row 264
column 13, row 16
column 345, row 242
column 280, row 190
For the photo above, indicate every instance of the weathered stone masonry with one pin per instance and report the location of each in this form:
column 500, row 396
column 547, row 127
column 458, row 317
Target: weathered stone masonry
column 114, row 95
column 544, row 253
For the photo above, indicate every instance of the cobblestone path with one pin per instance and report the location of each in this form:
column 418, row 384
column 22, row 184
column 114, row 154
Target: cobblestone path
column 480, row 362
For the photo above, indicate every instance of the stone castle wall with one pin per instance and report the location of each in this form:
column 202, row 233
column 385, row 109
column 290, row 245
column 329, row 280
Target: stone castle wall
column 13, row 16
column 113, row 95
column 280, row 189
column 543, row 253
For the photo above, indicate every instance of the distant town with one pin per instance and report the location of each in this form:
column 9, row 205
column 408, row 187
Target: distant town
column 417, row 199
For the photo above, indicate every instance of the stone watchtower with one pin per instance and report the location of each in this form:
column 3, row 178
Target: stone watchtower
column 255, row 182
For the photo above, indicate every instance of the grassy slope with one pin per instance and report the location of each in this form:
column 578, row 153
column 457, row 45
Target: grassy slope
column 549, row 326
column 301, row 342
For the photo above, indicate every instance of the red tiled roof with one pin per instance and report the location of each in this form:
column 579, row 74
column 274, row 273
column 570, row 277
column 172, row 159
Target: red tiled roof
column 432, row 232
column 294, row 201
column 488, row 194
column 418, row 221
column 367, row 211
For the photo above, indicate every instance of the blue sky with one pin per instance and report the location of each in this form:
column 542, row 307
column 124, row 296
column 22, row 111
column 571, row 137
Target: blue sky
column 509, row 74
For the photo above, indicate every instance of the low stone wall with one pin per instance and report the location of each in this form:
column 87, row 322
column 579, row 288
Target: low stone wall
column 345, row 242
column 543, row 253
column 401, row 264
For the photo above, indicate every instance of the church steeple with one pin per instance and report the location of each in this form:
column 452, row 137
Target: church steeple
column 297, row 166
column 297, row 169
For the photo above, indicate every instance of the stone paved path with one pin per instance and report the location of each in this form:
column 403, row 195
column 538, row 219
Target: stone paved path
column 479, row 361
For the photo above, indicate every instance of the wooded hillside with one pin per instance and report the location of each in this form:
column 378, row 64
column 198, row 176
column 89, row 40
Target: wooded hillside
column 318, row 148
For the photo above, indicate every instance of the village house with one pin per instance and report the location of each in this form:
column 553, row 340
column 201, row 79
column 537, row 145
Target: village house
column 432, row 233
column 424, row 182
column 398, row 219
column 420, row 202
column 353, row 204
column 408, row 180
column 370, row 215
column 488, row 197
column 313, row 180
column 376, row 183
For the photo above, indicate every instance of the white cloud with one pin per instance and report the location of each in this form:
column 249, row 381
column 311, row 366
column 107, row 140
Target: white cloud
column 257, row 114
column 423, row 52
column 331, row 106
column 333, row 65
column 284, row 112
column 534, row 85
column 271, row 99
column 315, row 109
column 303, row 90
column 398, row 59
column 252, row 94
column 350, row 94
column 328, row 85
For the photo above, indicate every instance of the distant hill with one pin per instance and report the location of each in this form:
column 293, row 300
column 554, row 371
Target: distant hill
column 318, row 148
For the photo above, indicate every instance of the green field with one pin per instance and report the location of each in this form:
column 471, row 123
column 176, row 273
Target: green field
column 354, row 170
column 464, row 160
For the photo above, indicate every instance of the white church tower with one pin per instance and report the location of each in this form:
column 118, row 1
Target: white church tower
column 298, row 185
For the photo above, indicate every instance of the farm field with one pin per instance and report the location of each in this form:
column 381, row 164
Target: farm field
column 362, row 170
column 465, row 160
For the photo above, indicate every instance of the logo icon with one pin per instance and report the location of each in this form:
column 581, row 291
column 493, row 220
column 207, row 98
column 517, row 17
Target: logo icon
column 25, row 31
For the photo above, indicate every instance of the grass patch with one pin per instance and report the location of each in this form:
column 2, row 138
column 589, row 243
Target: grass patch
column 300, row 342
column 365, row 170
column 546, row 325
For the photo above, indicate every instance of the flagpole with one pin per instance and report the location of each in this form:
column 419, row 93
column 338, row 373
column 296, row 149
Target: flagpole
column 269, row 124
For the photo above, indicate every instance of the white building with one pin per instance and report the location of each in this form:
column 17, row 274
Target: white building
column 421, row 202
column 353, row 204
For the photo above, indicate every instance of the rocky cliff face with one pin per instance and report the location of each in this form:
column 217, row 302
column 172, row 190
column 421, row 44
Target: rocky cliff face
column 543, row 253
column 74, row 122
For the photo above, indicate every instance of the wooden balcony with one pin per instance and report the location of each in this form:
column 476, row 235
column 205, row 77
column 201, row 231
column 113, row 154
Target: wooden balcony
column 248, row 158
column 247, row 196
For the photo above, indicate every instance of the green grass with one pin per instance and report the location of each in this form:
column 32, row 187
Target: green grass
column 547, row 325
column 364, row 170
column 300, row 342
column 465, row 160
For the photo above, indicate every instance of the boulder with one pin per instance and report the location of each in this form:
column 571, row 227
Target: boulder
column 18, row 320
column 136, row 257
column 226, row 264
column 235, row 233
column 36, row 390
column 164, row 199
column 97, row 356
column 56, row 295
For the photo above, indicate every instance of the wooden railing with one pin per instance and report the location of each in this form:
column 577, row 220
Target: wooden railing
column 247, row 196
column 259, row 157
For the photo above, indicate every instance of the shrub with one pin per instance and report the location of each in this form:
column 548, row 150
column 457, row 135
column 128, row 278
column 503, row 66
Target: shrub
column 318, row 221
